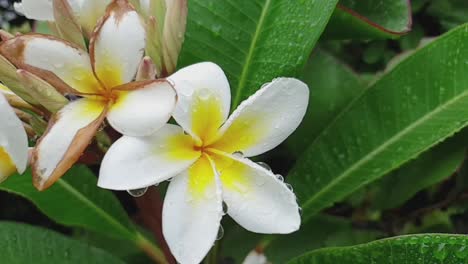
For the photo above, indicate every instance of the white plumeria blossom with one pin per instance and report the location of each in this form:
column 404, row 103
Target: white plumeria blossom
column 87, row 12
column 13, row 140
column 102, row 78
column 255, row 257
column 206, row 163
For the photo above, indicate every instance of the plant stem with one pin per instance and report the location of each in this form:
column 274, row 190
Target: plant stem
column 151, row 250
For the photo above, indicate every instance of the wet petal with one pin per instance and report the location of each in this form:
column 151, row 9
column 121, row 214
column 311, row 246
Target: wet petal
column 117, row 46
column 36, row 9
column 13, row 141
column 88, row 12
column 60, row 63
column 144, row 109
column 257, row 199
column 192, row 212
column 138, row 162
column 69, row 133
column 266, row 118
column 203, row 90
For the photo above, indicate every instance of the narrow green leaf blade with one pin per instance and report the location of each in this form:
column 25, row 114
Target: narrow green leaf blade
column 431, row 167
column 254, row 41
column 27, row 244
column 423, row 249
column 417, row 104
column 75, row 200
column 366, row 19
column 321, row 231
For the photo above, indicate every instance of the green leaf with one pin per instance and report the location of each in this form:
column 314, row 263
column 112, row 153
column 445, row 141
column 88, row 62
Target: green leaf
column 27, row 244
column 414, row 106
column 424, row 249
column 366, row 19
column 254, row 41
column 333, row 86
column 75, row 200
column 321, row 231
column 117, row 247
column 430, row 168
column 237, row 241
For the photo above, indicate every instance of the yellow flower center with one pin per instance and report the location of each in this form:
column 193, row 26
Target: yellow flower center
column 7, row 167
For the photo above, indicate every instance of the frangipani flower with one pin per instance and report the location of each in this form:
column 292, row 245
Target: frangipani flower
column 87, row 12
column 101, row 78
column 206, row 161
column 13, row 140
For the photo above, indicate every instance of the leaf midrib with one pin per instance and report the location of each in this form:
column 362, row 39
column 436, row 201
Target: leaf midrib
column 382, row 147
column 248, row 59
column 97, row 209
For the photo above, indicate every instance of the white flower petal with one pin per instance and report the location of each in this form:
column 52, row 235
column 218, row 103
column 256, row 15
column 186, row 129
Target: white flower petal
column 134, row 163
column 192, row 212
column 88, row 12
column 257, row 200
column 68, row 135
column 49, row 58
column 13, row 138
column 143, row 109
column 118, row 44
column 203, row 90
column 255, row 258
column 266, row 118
column 36, row 9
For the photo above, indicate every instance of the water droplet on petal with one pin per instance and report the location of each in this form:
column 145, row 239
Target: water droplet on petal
column 264, row 165
column 280, row 177
column 137, row 192
column 225, row 208
column 204, row 94
column 220, row 234
column 238, row 154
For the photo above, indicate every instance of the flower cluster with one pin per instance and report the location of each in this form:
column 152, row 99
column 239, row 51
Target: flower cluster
column 77, row 88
